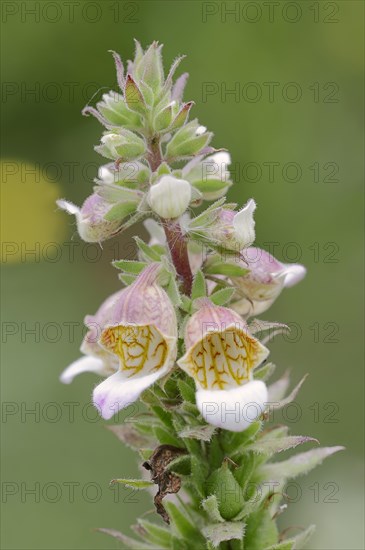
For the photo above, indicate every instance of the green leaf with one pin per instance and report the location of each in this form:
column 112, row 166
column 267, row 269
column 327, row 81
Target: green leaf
column 164, row 416
column 134, row 483
column 299, row 464
column 182, row 522
column 148, row 252
column 187, row 390
column 222, row 297
column 272, row 445
column 120, row 211
column 173, row 292
column 116, row 193
column 130, row 266
column 221, row 532
column 154, row 533
column 165, row 437
column 228, row 269
column 126, row 279
column 180, row 465
column 186, row 304
column 129, row 543
column 199, row 287
column 261, row 530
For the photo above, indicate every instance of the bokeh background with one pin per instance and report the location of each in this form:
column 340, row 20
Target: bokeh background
column 295, row 133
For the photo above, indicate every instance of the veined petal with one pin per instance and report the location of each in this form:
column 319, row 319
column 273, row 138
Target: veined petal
column 234, row 409
column 84, row 364
column 142, row 349
column 221, row 353
column 117, row 391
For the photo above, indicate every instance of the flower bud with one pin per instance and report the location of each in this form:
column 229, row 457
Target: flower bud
column 235, row 230
column 148, row 66
column 126, row 145
column 169, row 197
column 92, row 225
column 188, row 141
column 127, row 174
column 115, row 111
column 210, row 176
column 264, row 281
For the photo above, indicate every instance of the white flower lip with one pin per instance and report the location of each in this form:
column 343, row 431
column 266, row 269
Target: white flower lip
column 234, row 409
column 170, row 197
column 244, row 224
column 84, row 364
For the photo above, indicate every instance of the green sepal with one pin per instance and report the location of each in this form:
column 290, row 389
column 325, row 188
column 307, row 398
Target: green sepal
column 187, row 390
column 199, row 289
column 133, row 96
column 225, row 268
column 130, row 266
column 148, row 252
column 261, row 530
column 222, row 296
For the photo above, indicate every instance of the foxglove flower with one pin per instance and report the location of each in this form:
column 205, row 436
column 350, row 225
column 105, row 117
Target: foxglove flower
column 264, row 281
column 221, row 356
column 92, row 225
column 142, row 336
column 96, row 359
column 170, row 197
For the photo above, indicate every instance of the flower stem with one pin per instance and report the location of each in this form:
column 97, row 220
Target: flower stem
column 179, row 253
column 176, row 241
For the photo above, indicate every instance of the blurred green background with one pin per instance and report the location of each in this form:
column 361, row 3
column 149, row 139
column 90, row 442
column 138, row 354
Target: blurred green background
column 308, row 129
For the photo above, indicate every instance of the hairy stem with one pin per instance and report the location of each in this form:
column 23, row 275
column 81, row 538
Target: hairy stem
column 176, row 241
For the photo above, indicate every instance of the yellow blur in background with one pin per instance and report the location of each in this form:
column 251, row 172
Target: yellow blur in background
column 28, row 221
column 297, row 150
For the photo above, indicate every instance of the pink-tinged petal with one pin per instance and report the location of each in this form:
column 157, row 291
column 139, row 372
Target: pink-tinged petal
column 84, row 364
column 117, row 391
column 266, row 278
column 146, row 303
column 234, row 409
